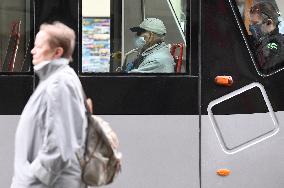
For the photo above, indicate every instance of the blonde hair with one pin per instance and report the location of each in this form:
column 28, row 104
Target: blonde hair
column 60, row 35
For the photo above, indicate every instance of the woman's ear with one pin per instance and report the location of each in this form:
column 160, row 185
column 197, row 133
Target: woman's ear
column 58, row 52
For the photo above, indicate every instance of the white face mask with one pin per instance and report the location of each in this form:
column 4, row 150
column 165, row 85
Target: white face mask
column 139, row 42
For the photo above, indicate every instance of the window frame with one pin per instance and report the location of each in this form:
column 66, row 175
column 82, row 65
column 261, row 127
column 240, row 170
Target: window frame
column 191, row 69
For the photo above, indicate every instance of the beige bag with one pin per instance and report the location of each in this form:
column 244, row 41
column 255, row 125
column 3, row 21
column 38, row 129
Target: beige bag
column 102, row 161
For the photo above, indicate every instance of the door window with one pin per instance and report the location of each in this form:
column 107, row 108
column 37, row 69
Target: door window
column 265, row 28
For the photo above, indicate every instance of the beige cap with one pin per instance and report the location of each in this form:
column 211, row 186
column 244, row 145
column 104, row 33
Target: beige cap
column 154, row 25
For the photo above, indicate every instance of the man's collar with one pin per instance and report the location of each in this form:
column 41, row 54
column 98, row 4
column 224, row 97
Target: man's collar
column 40, row 65
column 49, row 67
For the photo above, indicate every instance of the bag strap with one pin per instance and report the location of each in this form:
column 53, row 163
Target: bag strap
column 88, row 112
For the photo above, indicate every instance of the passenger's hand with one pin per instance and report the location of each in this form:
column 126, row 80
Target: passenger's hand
column 118, row 69
column 90, row 105
column 116, row 56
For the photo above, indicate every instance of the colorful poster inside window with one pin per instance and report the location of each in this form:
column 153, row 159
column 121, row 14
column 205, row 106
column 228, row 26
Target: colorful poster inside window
column 95, row 44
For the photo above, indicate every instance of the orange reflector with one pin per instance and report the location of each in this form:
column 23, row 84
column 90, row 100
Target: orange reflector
column 224, row 80
column 223, row 172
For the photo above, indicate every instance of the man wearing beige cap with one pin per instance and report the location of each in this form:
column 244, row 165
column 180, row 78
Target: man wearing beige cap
column 154, row 55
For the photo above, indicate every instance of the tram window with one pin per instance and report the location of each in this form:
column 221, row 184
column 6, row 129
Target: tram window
column 15, row 36
column 265, row 28
column 104, row 51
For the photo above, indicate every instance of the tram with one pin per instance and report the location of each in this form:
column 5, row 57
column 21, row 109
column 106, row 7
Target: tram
column 181, row 129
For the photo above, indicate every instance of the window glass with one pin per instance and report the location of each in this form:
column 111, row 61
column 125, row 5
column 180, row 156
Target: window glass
column 149, row 37
column 180, row 12
column 15, row 35
column 265, row 28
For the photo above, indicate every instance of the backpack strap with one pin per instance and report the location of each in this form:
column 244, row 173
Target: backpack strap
column 81, row 157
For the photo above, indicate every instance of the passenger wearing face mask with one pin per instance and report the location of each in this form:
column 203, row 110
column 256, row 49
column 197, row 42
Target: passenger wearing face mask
column 266, row 39
column 154, row 55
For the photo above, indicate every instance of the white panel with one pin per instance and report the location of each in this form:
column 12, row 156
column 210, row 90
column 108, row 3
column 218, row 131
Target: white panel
column 96, row 8
column 8, row 126
column 158, row 151
column 260, row 166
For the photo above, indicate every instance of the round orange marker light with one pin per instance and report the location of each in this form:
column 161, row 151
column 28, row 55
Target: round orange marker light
column 223, row 172
column 224, row 80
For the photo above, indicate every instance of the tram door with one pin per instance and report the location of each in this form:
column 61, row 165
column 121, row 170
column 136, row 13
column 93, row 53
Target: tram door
column 156, row 114
column 241, row 138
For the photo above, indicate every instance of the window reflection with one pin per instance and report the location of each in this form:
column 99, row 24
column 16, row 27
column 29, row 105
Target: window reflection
column 15, row 35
